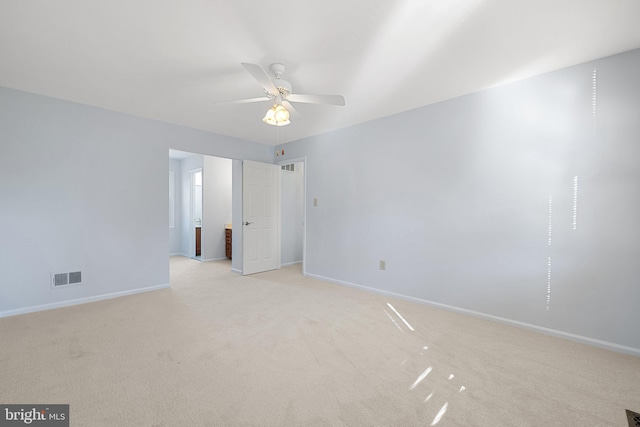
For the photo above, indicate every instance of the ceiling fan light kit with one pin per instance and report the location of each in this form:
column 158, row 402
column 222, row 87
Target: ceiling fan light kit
column 279, row 91
column 277, row 116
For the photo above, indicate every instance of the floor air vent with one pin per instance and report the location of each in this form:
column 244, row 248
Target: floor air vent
column 75, row 277
column 66, row 279
column 633, row 418
column 60, row 279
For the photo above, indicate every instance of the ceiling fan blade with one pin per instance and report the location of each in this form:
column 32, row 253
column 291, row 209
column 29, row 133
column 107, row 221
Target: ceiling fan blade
column 244, row 101
column 317, row 99
column 261, row 76
column 290, row 108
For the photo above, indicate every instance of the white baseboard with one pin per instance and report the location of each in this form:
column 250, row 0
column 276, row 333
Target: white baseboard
column 547, row 331
column 77, row 301
column 214, row 259
column 235, row 270
column 286, row 264
column 201, row 259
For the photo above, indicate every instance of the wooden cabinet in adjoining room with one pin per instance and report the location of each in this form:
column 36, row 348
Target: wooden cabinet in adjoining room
column 227, row 232
column 198, row 241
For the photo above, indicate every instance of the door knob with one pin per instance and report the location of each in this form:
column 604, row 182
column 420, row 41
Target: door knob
column 247, row 223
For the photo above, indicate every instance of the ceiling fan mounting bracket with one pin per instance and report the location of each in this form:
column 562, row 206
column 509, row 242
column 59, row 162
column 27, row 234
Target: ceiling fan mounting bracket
column 277, row 69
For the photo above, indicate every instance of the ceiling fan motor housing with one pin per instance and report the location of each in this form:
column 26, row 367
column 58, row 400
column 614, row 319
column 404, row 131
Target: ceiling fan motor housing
column 277, row 69
column 284, row 87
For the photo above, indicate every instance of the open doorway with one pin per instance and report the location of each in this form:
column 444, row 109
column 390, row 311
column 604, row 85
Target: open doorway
column 217, row 233
column 202, row 206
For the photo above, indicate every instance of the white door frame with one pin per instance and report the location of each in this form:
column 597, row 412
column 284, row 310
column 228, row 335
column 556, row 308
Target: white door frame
column 302, row 160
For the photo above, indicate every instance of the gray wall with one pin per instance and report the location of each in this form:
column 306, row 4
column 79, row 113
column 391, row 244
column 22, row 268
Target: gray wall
column 83, row 188
column 217, row 203
column 292, row 214
column 175, row 233
column 471, row 202
column 187, row 227
column 236, row 206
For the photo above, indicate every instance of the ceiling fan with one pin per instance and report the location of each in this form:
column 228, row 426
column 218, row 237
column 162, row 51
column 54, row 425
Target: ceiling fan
column 279, row 92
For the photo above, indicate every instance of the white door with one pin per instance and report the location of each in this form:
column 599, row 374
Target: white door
column 261, row 217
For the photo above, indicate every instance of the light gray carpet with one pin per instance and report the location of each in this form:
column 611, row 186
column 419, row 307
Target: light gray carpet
column 279, row 349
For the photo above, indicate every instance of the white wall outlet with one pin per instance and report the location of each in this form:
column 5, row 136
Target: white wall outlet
column 383, row 264
column 315, row 202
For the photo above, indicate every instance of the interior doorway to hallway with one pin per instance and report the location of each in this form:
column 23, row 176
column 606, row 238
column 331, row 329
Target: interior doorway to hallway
column 293, row 206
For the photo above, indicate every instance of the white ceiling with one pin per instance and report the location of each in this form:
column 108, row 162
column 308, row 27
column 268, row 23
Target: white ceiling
column 170, row 60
